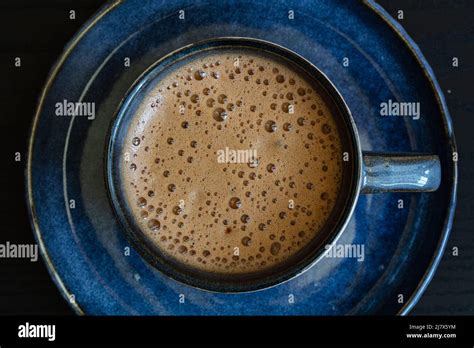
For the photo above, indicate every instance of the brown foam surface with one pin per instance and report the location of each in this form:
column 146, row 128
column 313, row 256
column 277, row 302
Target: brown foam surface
column 232, row 217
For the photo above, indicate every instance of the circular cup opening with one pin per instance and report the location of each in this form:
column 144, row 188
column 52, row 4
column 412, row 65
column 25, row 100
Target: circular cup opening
column 295, row 264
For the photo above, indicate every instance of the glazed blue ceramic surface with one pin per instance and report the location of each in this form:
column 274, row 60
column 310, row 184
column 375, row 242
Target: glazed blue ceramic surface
column 80, row 239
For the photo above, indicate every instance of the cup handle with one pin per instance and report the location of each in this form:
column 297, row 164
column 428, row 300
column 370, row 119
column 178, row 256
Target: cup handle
column 400, row 173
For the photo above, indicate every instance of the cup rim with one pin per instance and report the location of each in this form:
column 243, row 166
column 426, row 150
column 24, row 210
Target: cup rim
column 317, row 75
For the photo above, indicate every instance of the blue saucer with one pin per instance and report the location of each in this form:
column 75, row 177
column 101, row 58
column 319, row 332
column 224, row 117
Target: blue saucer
column 80, row 239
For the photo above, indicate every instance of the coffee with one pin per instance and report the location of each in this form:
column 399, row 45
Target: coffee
column 234, row 161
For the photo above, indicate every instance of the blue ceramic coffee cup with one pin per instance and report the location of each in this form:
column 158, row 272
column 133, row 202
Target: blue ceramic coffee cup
column 363, row 173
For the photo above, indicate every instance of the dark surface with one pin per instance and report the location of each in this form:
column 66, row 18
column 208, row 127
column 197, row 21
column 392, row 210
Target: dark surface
column 38, row 33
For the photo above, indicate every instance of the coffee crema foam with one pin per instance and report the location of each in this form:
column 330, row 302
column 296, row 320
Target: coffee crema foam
column 232, row 217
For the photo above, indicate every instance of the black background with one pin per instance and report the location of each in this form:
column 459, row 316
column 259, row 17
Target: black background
column 37, row 31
